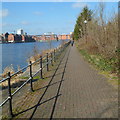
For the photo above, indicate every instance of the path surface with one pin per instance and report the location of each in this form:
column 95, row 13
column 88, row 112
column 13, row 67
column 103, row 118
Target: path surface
column 85, row 93
column 81, row 92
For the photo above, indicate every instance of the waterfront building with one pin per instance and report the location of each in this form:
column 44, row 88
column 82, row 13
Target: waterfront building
column 11, row 38
column 23, row 38
column 45, row 36
column 64, row 37
column 14, row 38
column 20, row 32
column 29, row 38
column 4, row 38
column 1, row 39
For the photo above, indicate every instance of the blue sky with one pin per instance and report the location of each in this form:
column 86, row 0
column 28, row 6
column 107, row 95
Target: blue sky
column 40, row 17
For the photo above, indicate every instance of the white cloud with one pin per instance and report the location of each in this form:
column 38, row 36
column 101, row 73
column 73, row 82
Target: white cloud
column 4, row 12
column 37, row 13
column 79, row 5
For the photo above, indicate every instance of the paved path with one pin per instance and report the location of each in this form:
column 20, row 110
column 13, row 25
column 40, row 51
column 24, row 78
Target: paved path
column 85, row 93
column 76, row 91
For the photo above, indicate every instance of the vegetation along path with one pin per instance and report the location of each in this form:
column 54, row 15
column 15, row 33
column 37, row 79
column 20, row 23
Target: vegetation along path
column 75, row 91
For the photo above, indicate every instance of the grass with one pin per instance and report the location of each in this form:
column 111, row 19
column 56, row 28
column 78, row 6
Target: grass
column 24, row 77
column 37, row 77
column 100, row 62
column 13, row 90
column 105, row 66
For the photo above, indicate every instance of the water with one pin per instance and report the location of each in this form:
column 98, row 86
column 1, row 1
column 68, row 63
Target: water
column 18, row 53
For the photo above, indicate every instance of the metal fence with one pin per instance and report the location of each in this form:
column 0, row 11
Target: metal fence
column 48, row 58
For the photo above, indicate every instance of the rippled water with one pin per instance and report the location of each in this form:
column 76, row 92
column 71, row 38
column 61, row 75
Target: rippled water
column 18, row 53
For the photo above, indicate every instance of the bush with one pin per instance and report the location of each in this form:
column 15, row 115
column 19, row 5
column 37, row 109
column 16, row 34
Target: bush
column 8, row 69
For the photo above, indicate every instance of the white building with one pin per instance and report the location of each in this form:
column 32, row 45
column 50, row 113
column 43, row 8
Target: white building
column 49, row 33
column 20, row 32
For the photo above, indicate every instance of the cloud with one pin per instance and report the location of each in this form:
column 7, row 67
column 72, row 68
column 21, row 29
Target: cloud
column 24, row 23
column 37, row 13
column 4, row 12
column 79, row 5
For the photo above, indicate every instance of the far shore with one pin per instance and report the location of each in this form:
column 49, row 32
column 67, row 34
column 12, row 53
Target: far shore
column 28, row 42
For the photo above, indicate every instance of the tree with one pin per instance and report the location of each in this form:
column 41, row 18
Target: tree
column 76, row 32
column 86, row 14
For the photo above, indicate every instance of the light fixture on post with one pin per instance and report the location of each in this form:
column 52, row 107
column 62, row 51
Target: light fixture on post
column 85, row 21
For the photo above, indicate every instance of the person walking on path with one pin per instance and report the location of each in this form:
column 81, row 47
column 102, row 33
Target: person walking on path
column 72, row 42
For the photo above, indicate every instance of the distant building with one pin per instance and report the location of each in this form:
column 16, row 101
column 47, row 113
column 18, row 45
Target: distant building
column 29, row 38
column 14, row 38
column 51, row 36
column 25, row 33
column 45, row 36
column 23, row 38
column 48, row 33
column 4, row 38
column 11, row 38
column 20, row 32
column 64, row 37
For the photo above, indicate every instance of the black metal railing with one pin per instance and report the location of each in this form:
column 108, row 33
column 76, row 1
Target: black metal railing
column 48, row 58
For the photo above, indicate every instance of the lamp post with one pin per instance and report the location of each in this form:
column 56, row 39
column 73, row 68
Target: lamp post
column 85, row 30
column 80, row 33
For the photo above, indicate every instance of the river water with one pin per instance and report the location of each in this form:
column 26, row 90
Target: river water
column 17, row 54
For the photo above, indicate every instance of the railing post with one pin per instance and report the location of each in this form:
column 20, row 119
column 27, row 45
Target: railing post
column 51, row 59
column 47, row 62
column 54, row 55
column 10, row 96
column 41, row 75
column 31, row 85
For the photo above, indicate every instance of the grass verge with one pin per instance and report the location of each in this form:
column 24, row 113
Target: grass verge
column 105, row 66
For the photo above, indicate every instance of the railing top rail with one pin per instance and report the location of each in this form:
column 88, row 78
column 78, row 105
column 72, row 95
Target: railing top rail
column 20, row 70
column 38, row 59
column 4, row 79
column 4, row 101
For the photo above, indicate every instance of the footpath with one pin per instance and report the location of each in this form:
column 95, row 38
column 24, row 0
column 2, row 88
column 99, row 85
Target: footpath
column 74, row 90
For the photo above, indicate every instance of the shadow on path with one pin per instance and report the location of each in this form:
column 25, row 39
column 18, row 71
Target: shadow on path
column 54, row 105
column 49, row 84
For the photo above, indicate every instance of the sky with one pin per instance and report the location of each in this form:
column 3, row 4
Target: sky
column 40, row 17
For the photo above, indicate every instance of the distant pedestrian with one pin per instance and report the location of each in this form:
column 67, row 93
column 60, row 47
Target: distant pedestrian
column 72, row 42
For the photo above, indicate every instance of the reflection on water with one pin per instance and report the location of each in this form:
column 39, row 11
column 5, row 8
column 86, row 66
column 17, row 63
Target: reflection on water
column 18, row 53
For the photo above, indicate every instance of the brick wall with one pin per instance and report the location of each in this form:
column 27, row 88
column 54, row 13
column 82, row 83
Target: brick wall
column 11, row 38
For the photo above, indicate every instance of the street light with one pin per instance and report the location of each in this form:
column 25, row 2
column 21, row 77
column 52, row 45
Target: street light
column 80, row 32
column 85, row 21
column 85, row 30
